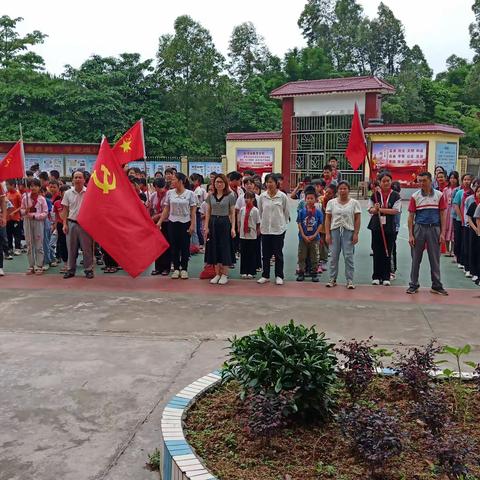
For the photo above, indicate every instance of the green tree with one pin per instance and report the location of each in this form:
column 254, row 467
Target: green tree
column 14, row 48
column 307, row 64
column 316, row 21
column 188, row 67
column 345, row 34
column 248, row 52
column 388, row 40
column 474, row 29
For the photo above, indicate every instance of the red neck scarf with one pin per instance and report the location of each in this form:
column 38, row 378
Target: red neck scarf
column 310, row 211
column 248, row 209
column 385, row 196
column 158, row 206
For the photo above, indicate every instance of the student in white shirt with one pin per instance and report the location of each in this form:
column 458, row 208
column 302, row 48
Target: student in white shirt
column 342, row 225
column 249, row 228
column 200, row 195
column 180, row 209
column 274, row 217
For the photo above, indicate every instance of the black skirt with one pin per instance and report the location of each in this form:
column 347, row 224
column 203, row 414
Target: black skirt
column 218, row 245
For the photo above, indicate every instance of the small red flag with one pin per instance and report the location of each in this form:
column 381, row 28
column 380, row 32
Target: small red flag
column 357, row 146
column 113, row 214
column 13, row 165
column 131, row 146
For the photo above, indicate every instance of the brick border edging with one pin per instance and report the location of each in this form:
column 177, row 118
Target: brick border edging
column 177, row 458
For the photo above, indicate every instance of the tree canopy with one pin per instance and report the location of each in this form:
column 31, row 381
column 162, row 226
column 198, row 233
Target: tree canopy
column 190, row 95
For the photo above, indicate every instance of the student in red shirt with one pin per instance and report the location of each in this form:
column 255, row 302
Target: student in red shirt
column 14, row 220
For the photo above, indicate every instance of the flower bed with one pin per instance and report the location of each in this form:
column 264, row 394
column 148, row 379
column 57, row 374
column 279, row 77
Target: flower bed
column 294, row 406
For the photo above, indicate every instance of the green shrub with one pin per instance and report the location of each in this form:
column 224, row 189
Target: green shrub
column 290, row 358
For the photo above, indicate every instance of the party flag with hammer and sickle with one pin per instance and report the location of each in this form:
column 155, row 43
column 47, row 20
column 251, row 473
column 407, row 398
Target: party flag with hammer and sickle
column 131, row 145
column 13, row 164
column 115, row 217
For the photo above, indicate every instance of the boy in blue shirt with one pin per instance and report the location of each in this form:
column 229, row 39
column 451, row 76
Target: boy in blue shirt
column 309, row 221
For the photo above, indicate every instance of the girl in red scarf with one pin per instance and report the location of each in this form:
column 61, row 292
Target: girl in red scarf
column 249, row 228
column 34, row 211
column 156, row 206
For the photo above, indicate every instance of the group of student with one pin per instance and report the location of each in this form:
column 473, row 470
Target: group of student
column 239, row 216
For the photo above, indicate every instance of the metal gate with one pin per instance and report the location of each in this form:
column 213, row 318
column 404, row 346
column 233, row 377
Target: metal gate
column 313, row 140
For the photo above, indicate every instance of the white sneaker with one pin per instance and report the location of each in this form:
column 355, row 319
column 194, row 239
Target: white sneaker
column 250, row 277
column 17, row 252
column 46, row 267
column 350, row 285
column 386, row 283
column 375, row 282
column 184, row 275
column 279, row 281
column 474, row 278
column 263, row 280
column 215, row 279
column 223, row 280
column 2, row 273
column 460, row 266
column 244, row 276
column 175, row 274
column 331, row 283
column 468, row 274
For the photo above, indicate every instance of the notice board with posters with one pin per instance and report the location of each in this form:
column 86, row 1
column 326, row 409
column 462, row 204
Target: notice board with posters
column 446, row 155
column 204, row 168
column 260, row 160
column 404, row 160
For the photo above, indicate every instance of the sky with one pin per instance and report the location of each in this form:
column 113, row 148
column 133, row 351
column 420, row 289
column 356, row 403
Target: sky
column 78, row 29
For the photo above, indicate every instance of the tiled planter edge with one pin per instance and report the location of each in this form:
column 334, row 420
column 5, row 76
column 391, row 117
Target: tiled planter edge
column 177, row 459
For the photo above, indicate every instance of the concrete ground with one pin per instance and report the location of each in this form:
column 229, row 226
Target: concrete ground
column 86, row 366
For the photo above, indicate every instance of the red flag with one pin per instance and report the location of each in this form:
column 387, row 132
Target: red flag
column 131, row 146
column 113, row 214
column 357, row 146
column 13, row 165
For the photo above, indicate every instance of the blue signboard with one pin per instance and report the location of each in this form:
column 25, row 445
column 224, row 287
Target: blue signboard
column 446, row 155
column 204, row 168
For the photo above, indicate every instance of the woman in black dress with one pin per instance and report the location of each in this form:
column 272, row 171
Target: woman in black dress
column 220, row 229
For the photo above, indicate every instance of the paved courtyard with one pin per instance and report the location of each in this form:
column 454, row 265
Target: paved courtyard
column 87, row 366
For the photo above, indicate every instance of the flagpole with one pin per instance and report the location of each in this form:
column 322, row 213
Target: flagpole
column 144, row 156
column 376, row 195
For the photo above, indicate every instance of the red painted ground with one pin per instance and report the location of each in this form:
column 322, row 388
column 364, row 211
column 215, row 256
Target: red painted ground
column 243, row 288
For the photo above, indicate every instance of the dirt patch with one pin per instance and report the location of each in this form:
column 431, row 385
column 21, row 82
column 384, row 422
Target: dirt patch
column 216, row 428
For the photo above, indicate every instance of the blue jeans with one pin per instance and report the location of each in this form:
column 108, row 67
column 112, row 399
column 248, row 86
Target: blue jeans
column 342, row 241
column 47, row 249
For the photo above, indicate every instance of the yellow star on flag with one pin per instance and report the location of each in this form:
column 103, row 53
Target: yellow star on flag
column 126, row 145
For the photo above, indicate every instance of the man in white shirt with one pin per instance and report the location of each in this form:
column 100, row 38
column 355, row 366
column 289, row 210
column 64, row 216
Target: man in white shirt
column 77, row 237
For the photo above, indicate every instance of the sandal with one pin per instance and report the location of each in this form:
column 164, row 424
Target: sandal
column 39, row 271
column 30, row 271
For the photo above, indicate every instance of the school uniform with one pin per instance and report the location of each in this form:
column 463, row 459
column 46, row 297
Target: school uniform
column 309, row 221
column 34, row 227
column 219, row 248
column 427, row 209
column 473, row 241
column 179, row 222
column 248, row 241
column 274, row 217
column 382, row 259
column 157, row 204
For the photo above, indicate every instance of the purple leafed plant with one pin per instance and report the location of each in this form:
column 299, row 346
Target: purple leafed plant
column 432, row 410
column 358, row 367
column 415, row 367
column 453, row 453
column 267, row 413
column 375, row 435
